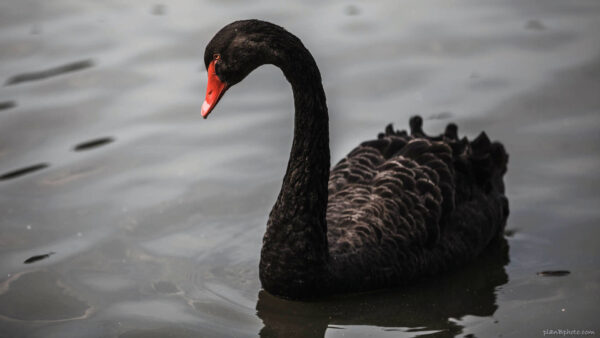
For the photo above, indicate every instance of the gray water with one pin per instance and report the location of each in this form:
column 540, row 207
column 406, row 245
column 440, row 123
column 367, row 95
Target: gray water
column 154, row 216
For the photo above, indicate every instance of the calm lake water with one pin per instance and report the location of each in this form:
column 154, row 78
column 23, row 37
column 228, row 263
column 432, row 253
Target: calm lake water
column 147, row 220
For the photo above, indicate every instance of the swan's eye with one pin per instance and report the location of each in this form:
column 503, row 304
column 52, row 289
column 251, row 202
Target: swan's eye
column 216, row 56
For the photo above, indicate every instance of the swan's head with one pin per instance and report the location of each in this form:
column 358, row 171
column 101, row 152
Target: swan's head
column 235, row 51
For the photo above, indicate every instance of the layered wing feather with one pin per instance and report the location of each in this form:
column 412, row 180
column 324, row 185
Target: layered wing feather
column 408, row 205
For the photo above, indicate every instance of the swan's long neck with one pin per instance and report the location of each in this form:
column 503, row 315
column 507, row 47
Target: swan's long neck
column 295, row 251
column 304, row 190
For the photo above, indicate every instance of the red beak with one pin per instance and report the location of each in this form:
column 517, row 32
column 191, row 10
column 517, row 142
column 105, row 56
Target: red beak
column 214, row 90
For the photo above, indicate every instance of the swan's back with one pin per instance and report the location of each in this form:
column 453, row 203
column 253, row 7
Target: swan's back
column 405, row 206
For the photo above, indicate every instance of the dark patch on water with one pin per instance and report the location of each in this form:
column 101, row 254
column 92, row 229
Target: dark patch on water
column 40, row 75
column 352, row 10
column 165, row 287
column 36, row 258
column 553, row 273
column 93, row 143
column 535, row 25
column 40, row 295
column 23, row 171
column 490, row 84
column 159, row 9
column 440, row 116
column 35, row 29
column 7, row 105
column 168, row 331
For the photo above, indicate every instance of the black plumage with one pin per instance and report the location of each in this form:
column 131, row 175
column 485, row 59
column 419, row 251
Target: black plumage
column 397, row 208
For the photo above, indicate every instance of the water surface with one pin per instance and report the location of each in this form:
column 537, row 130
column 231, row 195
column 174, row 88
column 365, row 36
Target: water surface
column 155, row 216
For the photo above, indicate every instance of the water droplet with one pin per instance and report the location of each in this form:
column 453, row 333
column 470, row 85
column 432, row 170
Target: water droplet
column 28, row 227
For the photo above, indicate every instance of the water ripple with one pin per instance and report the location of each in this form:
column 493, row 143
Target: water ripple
column 23, row 171
column 7, row 105
column 93, row 143
column 43, row 74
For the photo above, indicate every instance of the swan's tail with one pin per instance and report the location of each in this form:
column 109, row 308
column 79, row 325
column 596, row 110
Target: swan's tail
column 480, row 158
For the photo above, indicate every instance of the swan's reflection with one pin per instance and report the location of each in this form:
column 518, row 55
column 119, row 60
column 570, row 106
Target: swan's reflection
column 423, row 307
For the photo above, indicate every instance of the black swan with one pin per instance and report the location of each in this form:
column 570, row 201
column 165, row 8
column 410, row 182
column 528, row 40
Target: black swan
column 398, row 208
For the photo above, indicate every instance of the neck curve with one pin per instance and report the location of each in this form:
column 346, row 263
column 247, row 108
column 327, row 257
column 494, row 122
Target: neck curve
column 295, row 252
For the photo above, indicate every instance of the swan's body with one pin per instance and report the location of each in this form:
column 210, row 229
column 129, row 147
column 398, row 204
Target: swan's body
column 397, row 208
